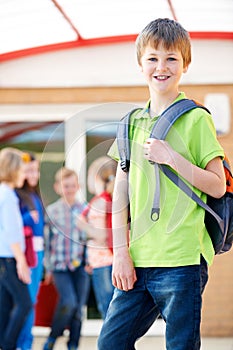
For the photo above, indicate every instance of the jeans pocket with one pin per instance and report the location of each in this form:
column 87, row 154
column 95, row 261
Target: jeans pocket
column 2, row 269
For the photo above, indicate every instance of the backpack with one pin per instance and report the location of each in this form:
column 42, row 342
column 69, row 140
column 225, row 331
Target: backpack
column 108, row 217
column 218, row 212
column 108, row 199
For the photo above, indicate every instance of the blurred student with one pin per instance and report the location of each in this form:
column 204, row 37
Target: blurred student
column 64, row 259
column 33, row 218
column 98, row 216
column 14, row 271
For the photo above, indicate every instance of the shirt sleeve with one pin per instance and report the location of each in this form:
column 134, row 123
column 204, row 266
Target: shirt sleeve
column 13, row 229
column 204, row 144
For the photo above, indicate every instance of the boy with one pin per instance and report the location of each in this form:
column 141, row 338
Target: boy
column 160, row 271
column 64, row 258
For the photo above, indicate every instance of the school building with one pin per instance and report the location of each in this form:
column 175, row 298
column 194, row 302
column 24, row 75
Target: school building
column 63, row 102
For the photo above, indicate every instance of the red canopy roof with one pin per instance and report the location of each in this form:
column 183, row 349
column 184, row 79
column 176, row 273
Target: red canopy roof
column 35, row 26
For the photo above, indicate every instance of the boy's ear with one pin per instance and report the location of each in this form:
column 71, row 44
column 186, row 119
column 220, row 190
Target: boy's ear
column 139, row 66
column 185, row 69
column 56, row 188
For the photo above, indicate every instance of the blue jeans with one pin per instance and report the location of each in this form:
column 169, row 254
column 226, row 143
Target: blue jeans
column 15, row 303
column 25, row 339
column 174, row 293
column 103, row 288
column 73, row 289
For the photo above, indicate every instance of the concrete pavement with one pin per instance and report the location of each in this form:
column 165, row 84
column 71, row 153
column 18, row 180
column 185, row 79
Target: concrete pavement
column 147, row 343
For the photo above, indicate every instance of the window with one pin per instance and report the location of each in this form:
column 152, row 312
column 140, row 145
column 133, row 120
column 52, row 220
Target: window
column 219, row 106
column 46, row 140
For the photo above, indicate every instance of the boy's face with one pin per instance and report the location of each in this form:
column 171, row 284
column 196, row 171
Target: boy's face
column 67, row 188
column 162, row 69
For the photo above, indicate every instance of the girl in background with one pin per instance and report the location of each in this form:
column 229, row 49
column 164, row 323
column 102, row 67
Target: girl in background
column 96, row 221
column 14, row 272
column 33, row 216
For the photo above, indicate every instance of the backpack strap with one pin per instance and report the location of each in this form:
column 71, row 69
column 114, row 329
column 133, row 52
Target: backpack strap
column 227, row 165
column 123, row 142
column 170, row 115
column 190, row 193
column 159, row 131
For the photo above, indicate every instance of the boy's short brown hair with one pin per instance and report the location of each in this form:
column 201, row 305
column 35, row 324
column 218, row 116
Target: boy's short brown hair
column 167, row 32
column 63, row 173
column 11, row 160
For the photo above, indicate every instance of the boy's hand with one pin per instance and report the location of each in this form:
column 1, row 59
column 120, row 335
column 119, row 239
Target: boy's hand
column 158, row 151
column 81, row 222
column 48, row 278
column 23, row 271
column 123, row 275
column 88, row 269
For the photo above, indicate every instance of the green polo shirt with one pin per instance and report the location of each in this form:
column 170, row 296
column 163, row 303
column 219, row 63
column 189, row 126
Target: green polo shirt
column 179, row 236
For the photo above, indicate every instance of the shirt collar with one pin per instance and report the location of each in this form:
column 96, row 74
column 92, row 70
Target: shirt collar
column 144, row 113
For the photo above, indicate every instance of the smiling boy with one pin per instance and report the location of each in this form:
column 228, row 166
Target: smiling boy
column 159, row 271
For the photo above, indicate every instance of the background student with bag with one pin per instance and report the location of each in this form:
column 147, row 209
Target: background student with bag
column 161, row 267
column 15, row 301
column 33, row 219
column 98, row 216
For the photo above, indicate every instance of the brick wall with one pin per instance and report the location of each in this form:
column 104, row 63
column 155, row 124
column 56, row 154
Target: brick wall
column 217, row 313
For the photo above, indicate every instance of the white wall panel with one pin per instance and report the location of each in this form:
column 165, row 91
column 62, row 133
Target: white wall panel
column 112, row 65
